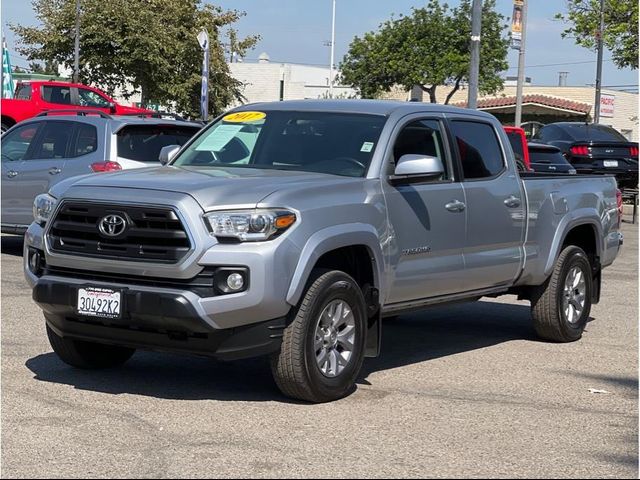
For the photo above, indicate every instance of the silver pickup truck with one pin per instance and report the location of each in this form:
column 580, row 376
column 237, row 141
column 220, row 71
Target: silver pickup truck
column 291, row 229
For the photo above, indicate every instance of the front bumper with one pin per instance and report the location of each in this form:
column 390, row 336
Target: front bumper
column 155, row 320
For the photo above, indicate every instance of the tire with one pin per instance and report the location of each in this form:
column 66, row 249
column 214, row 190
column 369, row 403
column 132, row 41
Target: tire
column 300, row 369
column 5, row 127
column 87, row 355
column 555, row 317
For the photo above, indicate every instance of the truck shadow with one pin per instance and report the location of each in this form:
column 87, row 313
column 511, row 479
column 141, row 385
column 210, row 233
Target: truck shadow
column 448, row 330
column 410, row 339
column 12, row 245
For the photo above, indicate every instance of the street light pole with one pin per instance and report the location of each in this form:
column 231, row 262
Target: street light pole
column 76, row 61
column 474, row 65
column 596, row 116
column 520, row 86
column 333, row 46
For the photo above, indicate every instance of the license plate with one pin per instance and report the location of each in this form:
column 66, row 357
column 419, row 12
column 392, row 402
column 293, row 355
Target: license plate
column 99, row 302
column 611, row 163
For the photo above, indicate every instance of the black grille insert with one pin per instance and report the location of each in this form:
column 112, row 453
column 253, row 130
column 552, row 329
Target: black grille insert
column 153, row 234
column 201, row 284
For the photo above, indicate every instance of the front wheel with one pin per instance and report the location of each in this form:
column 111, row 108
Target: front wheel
column 560, row 308
column 323, row 348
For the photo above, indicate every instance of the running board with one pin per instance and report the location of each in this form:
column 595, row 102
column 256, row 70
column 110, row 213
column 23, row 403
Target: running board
column 403, row 307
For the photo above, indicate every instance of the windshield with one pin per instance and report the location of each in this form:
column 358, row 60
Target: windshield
column 334, row 143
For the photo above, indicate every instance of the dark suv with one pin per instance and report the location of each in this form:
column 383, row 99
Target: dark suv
column 594, row 148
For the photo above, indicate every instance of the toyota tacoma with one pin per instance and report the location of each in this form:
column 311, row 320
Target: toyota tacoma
column 291, row 229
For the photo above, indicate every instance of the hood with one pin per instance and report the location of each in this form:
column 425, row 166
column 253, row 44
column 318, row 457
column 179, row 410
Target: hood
column 211, row 187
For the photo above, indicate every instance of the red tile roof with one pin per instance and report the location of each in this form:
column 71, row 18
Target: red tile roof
column 544, row 100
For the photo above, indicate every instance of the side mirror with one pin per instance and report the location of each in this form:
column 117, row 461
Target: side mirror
column 112, row 107
column 167, row 153
column 412, row 166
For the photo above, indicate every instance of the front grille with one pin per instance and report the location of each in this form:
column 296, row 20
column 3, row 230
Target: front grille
column 152, row 234
column 201, row 284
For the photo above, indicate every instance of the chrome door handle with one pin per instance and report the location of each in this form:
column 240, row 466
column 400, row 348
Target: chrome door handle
column 12, row 173
column 455, row 206
column 512, row 201
column 54, row 171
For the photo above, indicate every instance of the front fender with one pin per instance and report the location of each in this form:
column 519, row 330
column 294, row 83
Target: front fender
column 331, row 238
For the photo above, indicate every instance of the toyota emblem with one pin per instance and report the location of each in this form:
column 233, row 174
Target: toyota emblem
column 112, row 225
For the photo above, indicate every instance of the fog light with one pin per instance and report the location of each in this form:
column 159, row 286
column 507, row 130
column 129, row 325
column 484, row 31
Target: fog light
column 34, row 261
column 231, row 280
column 235, row 282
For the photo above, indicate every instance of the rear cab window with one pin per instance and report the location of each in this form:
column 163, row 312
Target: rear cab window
column 480, row 152
column 143, row 143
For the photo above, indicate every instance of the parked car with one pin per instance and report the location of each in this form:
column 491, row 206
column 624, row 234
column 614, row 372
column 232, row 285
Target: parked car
column 548, row 159
column 44, row 150
column 32, row 98
column 291, row 230
column 518, row 140
column 594, row 149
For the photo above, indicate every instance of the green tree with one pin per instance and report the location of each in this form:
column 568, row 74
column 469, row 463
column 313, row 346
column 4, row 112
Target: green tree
column 149, row 44
column 620, row 31
column 48, row 68
column 429, row 48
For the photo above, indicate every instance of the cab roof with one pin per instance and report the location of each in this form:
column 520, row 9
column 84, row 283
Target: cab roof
column 373, row 107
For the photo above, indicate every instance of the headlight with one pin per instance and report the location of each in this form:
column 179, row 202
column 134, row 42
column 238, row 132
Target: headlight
column 43, row 206
column 249, row 225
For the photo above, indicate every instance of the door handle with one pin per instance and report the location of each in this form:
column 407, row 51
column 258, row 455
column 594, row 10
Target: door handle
column 12, row 173
column 512, row 201
column 54, row 170
column 455, row 206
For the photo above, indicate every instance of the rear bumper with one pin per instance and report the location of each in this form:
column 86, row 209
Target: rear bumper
column 162, row 321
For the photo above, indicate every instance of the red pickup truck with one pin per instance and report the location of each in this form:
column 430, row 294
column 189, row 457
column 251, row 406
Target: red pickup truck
column 32, row 98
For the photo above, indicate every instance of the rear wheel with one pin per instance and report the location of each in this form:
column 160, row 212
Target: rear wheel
column 323, row 348
column 87, row 355
column 560, row 308
column 5, row 127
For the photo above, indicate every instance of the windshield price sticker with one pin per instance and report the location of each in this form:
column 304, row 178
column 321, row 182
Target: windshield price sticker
column 242, row 117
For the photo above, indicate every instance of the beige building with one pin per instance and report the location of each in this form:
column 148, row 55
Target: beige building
column 266, row 81
column 542, row 105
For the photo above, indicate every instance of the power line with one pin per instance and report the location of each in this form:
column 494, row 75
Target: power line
column 559, row 64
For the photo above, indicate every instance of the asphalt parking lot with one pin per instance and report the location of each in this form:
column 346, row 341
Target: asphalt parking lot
column 463, row 390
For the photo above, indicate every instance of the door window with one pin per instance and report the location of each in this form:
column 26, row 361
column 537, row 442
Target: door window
column 480, row 152
column 89, row 98
column 86, row 140
column 422, row 137
column 54, row 141
column 16, row 142
column 55, row 94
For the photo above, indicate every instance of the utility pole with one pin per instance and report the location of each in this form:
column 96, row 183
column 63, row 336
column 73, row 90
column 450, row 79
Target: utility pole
column 474, row 66
column 520, row 86
column 596, row 116
column 333, row 46
column 76, row 61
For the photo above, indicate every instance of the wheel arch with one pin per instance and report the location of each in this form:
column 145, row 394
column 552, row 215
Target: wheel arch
column 327, row 247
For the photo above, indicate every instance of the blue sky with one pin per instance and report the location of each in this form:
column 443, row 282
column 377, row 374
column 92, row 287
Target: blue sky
column 294, row 31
